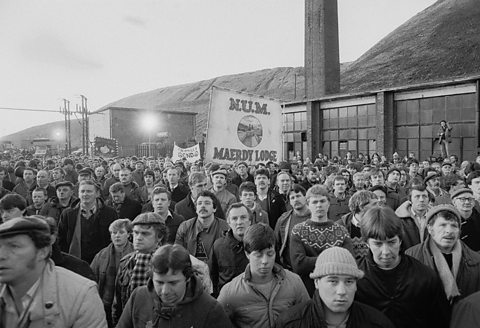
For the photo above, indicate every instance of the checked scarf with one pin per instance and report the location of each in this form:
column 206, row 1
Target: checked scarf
column 140, row 272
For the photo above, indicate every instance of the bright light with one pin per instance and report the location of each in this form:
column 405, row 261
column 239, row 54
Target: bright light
column 149, row 122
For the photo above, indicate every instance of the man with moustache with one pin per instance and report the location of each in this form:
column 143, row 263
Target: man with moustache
column 432, row 181
column 458, row 266
column 198, row 234
column 228, row 258
column 298, row 214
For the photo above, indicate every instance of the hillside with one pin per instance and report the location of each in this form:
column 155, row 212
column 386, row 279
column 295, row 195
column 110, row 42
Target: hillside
column 47, row 131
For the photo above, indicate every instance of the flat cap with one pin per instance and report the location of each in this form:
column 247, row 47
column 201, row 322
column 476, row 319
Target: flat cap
column 21, row 225
column 220, row 171
column 86, row 171
column 430, row 175
column 460, row 191
column 64, row 184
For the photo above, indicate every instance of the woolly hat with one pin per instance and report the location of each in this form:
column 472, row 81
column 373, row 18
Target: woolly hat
column 443, row 207
column 335, row 261
column 460, row 191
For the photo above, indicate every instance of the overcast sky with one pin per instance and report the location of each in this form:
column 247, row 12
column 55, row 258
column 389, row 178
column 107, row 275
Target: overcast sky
column 111, row 49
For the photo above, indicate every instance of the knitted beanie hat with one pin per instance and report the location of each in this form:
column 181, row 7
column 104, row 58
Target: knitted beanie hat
column 336, row 261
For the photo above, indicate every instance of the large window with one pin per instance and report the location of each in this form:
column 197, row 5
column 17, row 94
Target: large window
column 350, row 128
column 418, row 121
column 294, row 135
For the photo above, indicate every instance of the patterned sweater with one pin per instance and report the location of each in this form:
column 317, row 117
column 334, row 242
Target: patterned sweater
column 308, row 240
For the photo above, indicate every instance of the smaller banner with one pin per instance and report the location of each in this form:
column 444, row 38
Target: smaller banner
column 192, row 154
column 105, row 147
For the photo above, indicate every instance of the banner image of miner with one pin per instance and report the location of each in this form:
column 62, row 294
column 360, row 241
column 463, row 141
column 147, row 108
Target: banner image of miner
column 243, row 127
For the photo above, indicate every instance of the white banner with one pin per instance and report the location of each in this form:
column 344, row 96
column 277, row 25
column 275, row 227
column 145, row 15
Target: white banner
column 192, row 154
column 243, row 127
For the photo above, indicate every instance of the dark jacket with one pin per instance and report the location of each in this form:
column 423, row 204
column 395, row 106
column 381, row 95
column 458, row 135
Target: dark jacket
column 466, row 313
column 238, row 180
column 179, row 193
column 53, row 208
column 100, row 266
column 129, row 209
column 99, row 236
column 275, row 206
column 468, row 276
column 186, row 208
column 410, row 295
column 71, row 263
column 51, row 192
column 197, row 309
column 106, row 186
column 411, row 235
column 228, row 260
column 189, row 230
column 311, row 314
column 338, row 207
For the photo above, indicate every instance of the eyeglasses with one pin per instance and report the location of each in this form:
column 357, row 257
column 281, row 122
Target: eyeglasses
column 465, row 199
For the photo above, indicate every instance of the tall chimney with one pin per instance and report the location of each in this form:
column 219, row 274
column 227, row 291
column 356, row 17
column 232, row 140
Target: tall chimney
column 322, row 62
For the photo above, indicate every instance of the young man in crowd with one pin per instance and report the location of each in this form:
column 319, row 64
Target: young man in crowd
column 228, row 258
column 149, row 233
column 298, row 214
column 270, row 200
column 64, row 199
column 255, row 298
column 405, row 290
column 338, row 200
column 198, row 234
column 12, row 206
column 335, row 275
column 174, row 297
column 248, row 197
column 309, row 238
column 39, row 197
column 161, row 200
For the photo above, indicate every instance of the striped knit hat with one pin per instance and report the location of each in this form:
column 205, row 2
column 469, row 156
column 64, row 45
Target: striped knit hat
column 336, row 261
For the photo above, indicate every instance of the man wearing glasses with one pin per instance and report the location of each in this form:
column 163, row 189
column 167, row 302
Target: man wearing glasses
column 464, row 202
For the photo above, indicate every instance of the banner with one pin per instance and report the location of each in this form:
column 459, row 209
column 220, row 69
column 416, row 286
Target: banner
column 243, row 127
column 105, row 147
column 192, row 154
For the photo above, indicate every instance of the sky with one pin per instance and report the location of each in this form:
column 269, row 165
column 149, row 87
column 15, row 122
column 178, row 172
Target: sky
column 110, row 49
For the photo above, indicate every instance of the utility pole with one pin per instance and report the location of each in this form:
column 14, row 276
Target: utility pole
column 65, row 110
column 82, row 109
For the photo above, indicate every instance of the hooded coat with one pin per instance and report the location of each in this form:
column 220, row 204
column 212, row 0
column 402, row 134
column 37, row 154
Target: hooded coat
column 197, row 309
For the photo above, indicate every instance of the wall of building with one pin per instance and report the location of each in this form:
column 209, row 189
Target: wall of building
column 402, row 120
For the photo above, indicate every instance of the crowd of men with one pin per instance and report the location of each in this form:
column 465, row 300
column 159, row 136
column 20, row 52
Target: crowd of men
column 144, row 242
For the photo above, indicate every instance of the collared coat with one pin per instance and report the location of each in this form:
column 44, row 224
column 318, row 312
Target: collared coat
column 66, row 299
column 247, row 307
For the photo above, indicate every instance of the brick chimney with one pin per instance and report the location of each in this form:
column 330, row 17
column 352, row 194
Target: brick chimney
column 322, row 62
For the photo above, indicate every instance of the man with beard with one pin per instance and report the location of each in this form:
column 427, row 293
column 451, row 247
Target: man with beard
column 83, row 229
column 198, row 234
column 228, row 258
column 432, row 181
column 24, row 186
column 298, row 214
column 161, row 199
column 311, row 178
